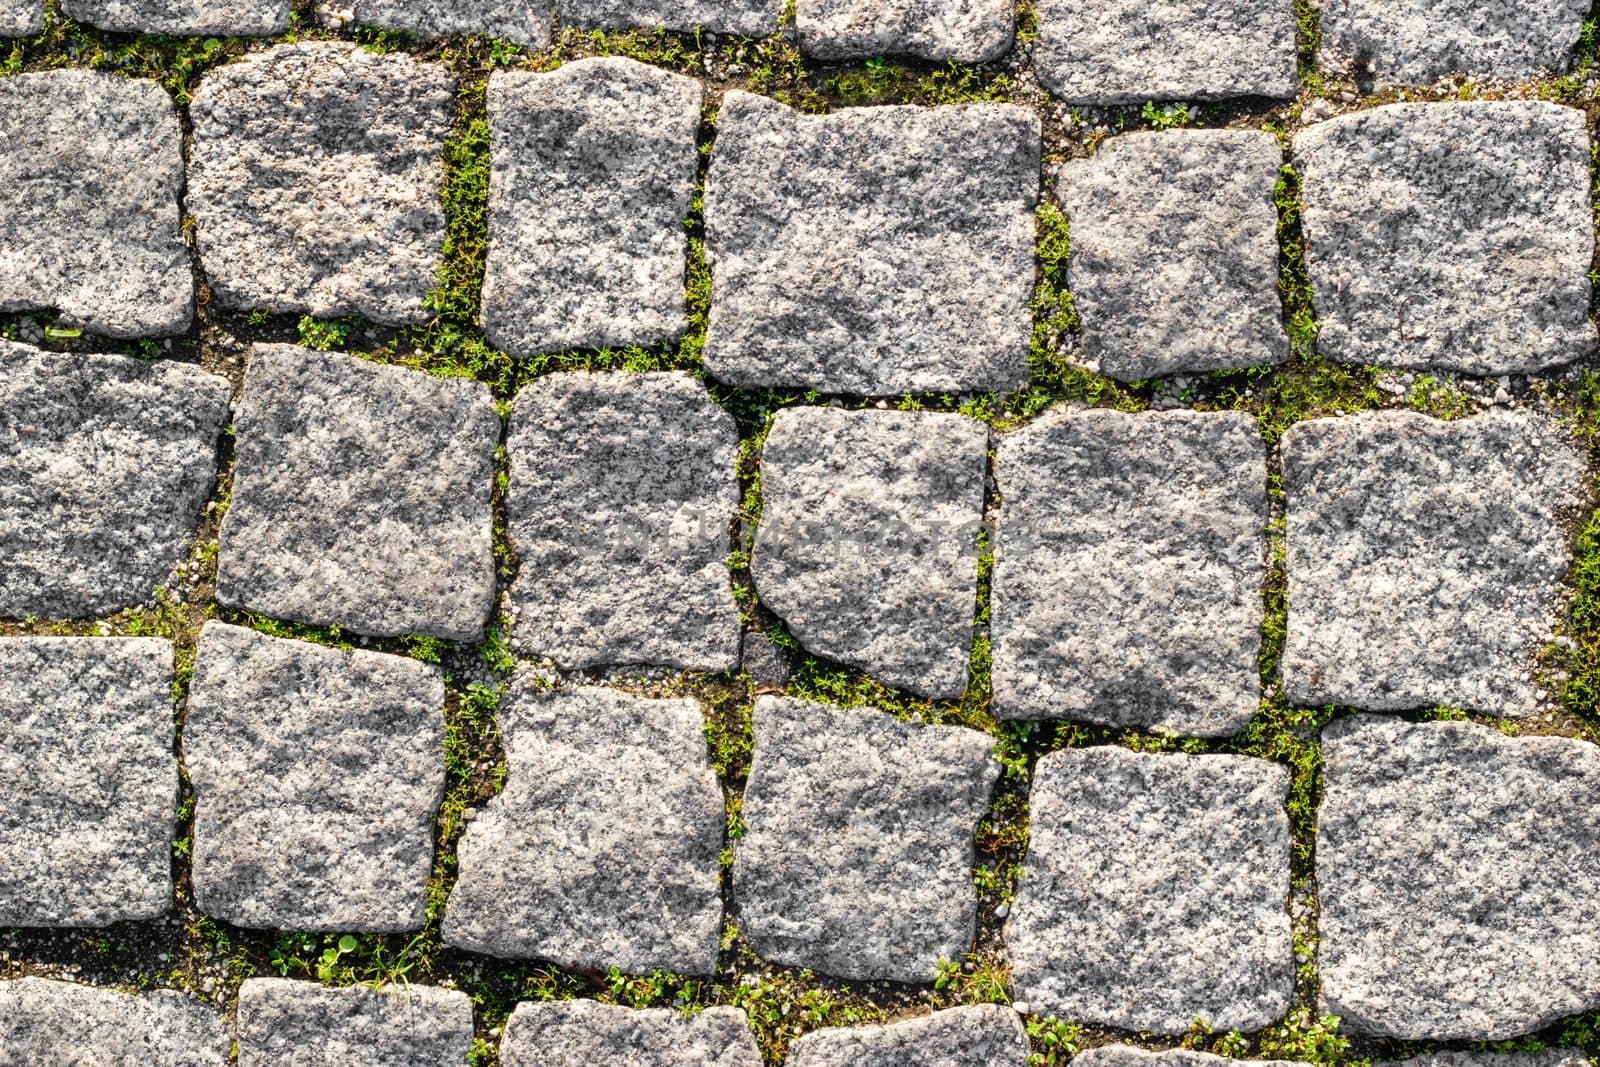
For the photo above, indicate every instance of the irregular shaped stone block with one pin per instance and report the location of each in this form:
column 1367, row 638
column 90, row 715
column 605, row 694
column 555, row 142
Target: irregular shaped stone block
column 961, row 31
column 984, row 1035
column 316, row 777
column 88, row 782
column 603, row 849
column 1458, row 879
column 90, row 224
column 361, row 497
column 1555, row 1057
column 193, row 18
column 1451, row 236
column 1415, row 42
column 301, row 1024
column 107, row 463
column 594, row 169
column 45, row 1024
column 868, row 544
column 1175, row 252
column 623, row 489
column 1425, row 558
column 21, row 18
column 582, row 1033
column 1130, row 51
column 523, row 22
column 857, row 855
column 1130, row 1056
column 746, row 18
column 1128, row 570
column 1155, row 892
column 315, row 181
column 876, row 250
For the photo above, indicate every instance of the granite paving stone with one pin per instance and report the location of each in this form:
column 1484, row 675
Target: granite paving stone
column 189, row 18
column 46, row 1023
column 981, row 1035
column 1554, row 1057
column 301, row 1024
column 1131, row 1056
column 1381, row 43
column 522, row 22
column 959, row 31
column 21, row 18
column 745, row 18
column 582, row 1033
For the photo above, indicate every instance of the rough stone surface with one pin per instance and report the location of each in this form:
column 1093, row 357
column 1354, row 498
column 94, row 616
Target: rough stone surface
column 962, row 31
column 89, row 225
column 747, row 18
column 594, row 170
column 316, row 775
column 984, row 1035
column 231, row 18
column 1130, row 1056
column 88, row 782
column 55, row 1024
column 1130, row 51
column 622, row 491
column 1128, row 570
column 301, row 1024
column 105, row 463
column 868, row 544
column 1555, row 1057
column 361, row 497
column 1453, row 236
column 602, row 850
column 1425, row 558
column 523, row 22
column 1155, row 892
column 765, row 664
column 582, row 1033
column 315, row 181
column 1414, row 42
column 1458, row 872
column 876, row 250
column 858, row 848
column 1175, row 252
column 21, row 18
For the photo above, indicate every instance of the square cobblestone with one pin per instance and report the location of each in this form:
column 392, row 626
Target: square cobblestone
column 981, row 1035
column 1415, row 42
column 192, row 18
column 959, row 31
column 585, row 1033
column 522, row 22
column 21, row 18
column 746, row 18
column 301, row 1024
column 45, row 1023
column 1131, row 1056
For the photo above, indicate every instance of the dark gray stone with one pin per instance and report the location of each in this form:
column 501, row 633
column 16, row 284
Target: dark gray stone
column 961, row 31
column 1452, row 236
column 301, row 1024
column 522, row 22
column 763, row 662
column 21, row 18
column 746, row 18
column 876, row 250
column 62, row 1024
column 1129, row 1056
column 983, row 1035
column 1414, row 42
column 361, row 497
column 584, row 1033
column 192, row 18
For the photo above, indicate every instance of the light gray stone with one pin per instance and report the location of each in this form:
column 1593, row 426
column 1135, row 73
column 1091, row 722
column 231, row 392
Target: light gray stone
column 21, row 18
column 983, row 1035
column 193, row 18
column 961, row 31
column 594, row 169
column 1128, row 570
column 623, row 490
column 1130, row 1056
column 61, row 1024
column 1454, row 236
column 316, row 776
column 88, row 781
column 1155, row 892
column 1175, row 252
column 315, row 181
column 1425, row 558
column 1415, row 42
column 583, row 1033
column 876, row 250
column 857, row 855
column 90, row 223
column 1458, row 873
column 603, row 849
column 106, row 462
column 868, row 544
column 361, row 497
column 522, row 22
column 301, row 1024
column 1130, row 51
column 746, row 18
column 1555, row 1057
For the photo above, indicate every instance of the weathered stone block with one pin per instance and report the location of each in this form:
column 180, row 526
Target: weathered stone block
column 61, row 1024
column 21, row 18
column 746, row 18
column 301, row 1024
column 1130, row 1056
column 523, row 22
column 960, row 31
column 192, row 18
column 983, row 1035
column 583, row 1033
column 1415, row 42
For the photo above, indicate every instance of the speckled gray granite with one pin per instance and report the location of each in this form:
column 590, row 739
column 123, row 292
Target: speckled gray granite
column 1414, row 42
column 982, row 1035
column 1555, row 1057
column 1131, row 1056
column 522, row 22
column 584, row 1033
column 1425, row 558
column 1454, row 236
column 1128, row 570
column 231, row 18
column 1155, row 892
column 89, row 225
column 961, row 31
column 876, row 250
column 315, row 179
column 88, row 781
column 301, row 1024
column 747, row 18
column 1175, row 252
column 361, row 497
column 1130, row 51
column 45, row 1023
column 594, row 170
column 21, row 18
column 1458, row 873
column 886, row 501
column 106, row 462
column 316, row 777
column 623, row 490
column 602, row 850
column 857, row 855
